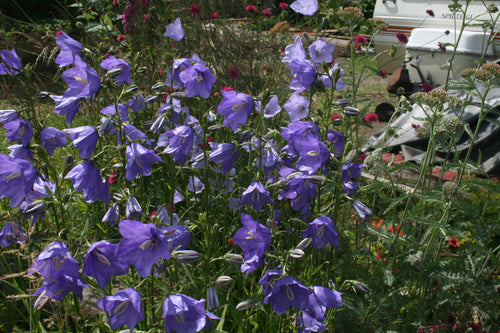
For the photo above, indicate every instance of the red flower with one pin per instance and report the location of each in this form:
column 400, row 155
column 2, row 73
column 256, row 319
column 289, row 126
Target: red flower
column 230, row 240
column 227, row 88
column 59, row 33
column 371, row 117
column 427, row 86
column 454, row 242
column 113, row 177
column 283, row 5
column 402, row 38
column 120, row 38
column 267, row 13
column 146, row 17
column 362, row 157
column 194, row 9
column 335, row 116
column 214, row 15
column 233, row 73
column 360, row 39
column 377, row 224
column 430, row 12
column 382, row 73
column 442, row 47
column 251, row 9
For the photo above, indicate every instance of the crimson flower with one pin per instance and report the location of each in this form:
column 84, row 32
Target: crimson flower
column 267, row 13
column 430, row 12
column 194, row 9
column 214, row 15
column 382, row 73
column 251, row 9
column 453, row 242
column 283, row 5
column 402, row 38
column 371, row 117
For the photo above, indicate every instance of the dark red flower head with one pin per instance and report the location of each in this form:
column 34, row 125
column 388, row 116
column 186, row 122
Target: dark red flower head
column 214, row 15
column 430, row 12
column 383, row 73
column 283, row 5
column 251, row 9
column 267, row 13
column 194, row 9
column 402, row 38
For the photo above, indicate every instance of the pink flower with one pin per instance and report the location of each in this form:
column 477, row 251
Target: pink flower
column 251, row 9
column 335, row 116
column 227, row 88
column 115, row 3
column 430, row 12
column 382, row 73
column 371, row 117
column 267, row 13
column 283, row 5
column 146, row 17
column 194, row 9
column 214, row 15
column 120, row 38
column 360, row 39
column 427, row 86
column 233, row 73
column 402, row 38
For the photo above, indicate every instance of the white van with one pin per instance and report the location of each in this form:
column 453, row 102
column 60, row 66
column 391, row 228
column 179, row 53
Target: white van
column 429, row 25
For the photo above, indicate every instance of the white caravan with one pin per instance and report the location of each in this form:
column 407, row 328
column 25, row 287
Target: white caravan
column 429, row 26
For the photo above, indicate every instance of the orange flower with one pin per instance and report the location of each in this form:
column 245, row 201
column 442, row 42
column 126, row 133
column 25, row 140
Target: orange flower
column 377, row 224
column 453, row 242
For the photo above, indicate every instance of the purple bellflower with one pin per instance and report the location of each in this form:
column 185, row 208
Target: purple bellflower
column 133, row 133
column 321, row 51
column 257, row 195
column 254, row 239
column 19, row 130
column 337, row 139
column 297, row 107
column 51, row 138
column 111, row 110
column 82, row 80
column 361, row 209
column 136, row 103
column 101, row 263
column 17, row 177
column 112, row 216
column 288, row 291
column 139, row 161
column 327, row 79
column 180, row 143
column 182, row 313
column 313, row 154
column 113, row 63
column 11, row 63
column 294, row 51
column 12, row 233
column 303, row 74
column 312, row 319
column 87, row 178
column 20, row 151
column 305, row 7
column 269, row 279
column 225, row 154
column 349, row 171
column 271, row 109
column 178, row 236
column 198, row 80
column 69, row 49
column 7, row 116
column 195, row 185
column 67, row 106
column 350, row 188
column 124, row 307
column 84, row 138
column 142, row 245
column 133, row 210
column 322, row 231
column 235, row 107
column 175, row 30
column 173, row 78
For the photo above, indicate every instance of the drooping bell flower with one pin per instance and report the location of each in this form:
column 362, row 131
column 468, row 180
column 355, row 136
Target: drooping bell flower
column 287, row 292
column 305, row 7
column 19, row 130
column 101, row 263
column 136, row 103
column 321, row 51
column 124, row 307
column 87, row 178
column 349, row 171
column 120, row 66
column 337, row 139
column 257, row 195
column 313, row 154
column 361, row 209
column 17, row 177
column 303, row 74
column 84, row 138
column 139, row 161
column 225, row 154
column 182, row 313
column 180, row 143
column 12, row 233
column 294, row 51
column 322, row 231
column 175, row 30
column 82, row 80
column 133, row 210
column 11, row 63
column 195, row 185
column 142, row 245
column 269, row 279
column 69, row 49
column 271, row 109
column 297, row 107
column 198, row 81
column 51, row 138
column 67, row 106
column 334, row 79
column 235, row 107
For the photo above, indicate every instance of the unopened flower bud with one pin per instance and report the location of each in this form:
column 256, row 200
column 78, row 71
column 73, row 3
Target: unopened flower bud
column 450, row 191
column 114, row 71
column 178, row 94
column 158, row 86
column 37, row 207
column 223, row 280
column 158, row 125
column 360, row 287
column 106, row 127
column 133, row 210
column 212, row 298
column 304, row 244
column 246, row 304
column 132, row 89
column 296, row 254
column 342, row 102
column 151, row 99
column 186, row 256
column 42, row 95
column 234, row 259
column 351, row 111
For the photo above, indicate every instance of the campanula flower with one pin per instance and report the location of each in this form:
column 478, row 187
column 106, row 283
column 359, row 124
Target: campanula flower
column 19, row 130
column 349, row 171
column 337, row 139
column 257, row 195
column 11, row 63
column 12, row 233
column 303, row 74
column 112, row 215
column 271, row 109
column 17, row 177
column 235, row 107
column 87, row 178
column 305, row 7
column 142, row 245
column 178, row 236
column 180, row 143
column 82, row 80
column 136, row 103
column 51, row 138
column 198, row 80
column 20, row 151
column 350, row 188
column 195, row 185
column 182, row 313
column 334, row 79
column 288, row 291
column 101, row 263
column 113, row 63
column 133, row 209
column 124, row 307
column 84, row 138
column 175, row 30
column 313, row 154
column 322, row 231
column 294, row 51
column 225, row 154
column 67, row 106
column 297, row 107
column 361, row 209
column 321, row 51
column 139, row 161
column 112, row 109
column 7, row 116
column 69, row 49
column 269, row 279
